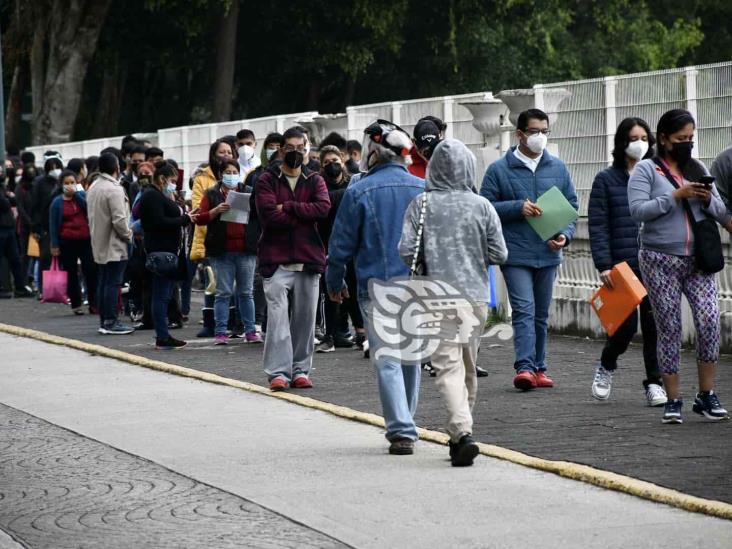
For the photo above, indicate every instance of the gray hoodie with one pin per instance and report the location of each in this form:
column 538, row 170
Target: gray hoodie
column 462, row 231
column 664, row 229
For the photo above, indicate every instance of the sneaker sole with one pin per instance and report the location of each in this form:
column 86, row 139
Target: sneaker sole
column 325, row 350
column 109, row 332
column 464, row 456
column 698, row 410
column 657, row 403
column 401, row 451
column 600, row 397
column 278, row 389
column 672, row 421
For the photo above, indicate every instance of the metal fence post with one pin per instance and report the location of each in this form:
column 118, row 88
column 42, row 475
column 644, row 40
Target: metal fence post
column 611, row 122
column 448, row 106
column 396, row 112
column 690, row 84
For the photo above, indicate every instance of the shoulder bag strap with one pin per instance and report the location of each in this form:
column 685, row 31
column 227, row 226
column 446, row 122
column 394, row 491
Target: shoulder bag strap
column 684, row 201
column 420, row 231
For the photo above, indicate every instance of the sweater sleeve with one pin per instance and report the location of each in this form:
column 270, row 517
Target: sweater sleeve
column 497, row 253
column 314, row 210
column 642, row 207
column 408, row 242
column 266, row 200
column 722, row 171
column 598, row 223
column 204, row 214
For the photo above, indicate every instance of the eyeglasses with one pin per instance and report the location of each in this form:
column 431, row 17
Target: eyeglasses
column 290, row 148
column 536, row 132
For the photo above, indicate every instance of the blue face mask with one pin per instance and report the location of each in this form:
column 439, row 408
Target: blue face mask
column 231, row 180
column 171, row 188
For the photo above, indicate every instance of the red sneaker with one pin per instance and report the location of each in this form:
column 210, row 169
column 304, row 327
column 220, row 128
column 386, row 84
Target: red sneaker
column 542, row 380
column 302, row 382
column 525, row 381
column 278, row 384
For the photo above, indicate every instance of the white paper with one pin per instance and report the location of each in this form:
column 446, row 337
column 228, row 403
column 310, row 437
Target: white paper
column 239, row 212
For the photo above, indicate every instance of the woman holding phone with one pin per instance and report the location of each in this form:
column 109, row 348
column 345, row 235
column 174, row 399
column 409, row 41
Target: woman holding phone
column 664, row 194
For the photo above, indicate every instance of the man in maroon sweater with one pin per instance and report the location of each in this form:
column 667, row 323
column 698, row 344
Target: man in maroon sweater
column 290, row 201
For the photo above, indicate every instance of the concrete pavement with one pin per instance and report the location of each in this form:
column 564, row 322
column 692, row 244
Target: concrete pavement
column 330, row 475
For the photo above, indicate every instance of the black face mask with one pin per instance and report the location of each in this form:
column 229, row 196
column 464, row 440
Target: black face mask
column 333, row 170
column 681, row 152
column 294, row 159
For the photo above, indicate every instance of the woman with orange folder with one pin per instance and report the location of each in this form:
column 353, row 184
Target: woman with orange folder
column 614, row 239
column 680, row 251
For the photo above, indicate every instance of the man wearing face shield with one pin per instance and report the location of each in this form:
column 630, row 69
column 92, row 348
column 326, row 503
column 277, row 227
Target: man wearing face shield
column 513, row 183
column 366, row 230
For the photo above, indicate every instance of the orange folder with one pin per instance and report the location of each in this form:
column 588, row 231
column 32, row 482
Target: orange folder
column 616, row 305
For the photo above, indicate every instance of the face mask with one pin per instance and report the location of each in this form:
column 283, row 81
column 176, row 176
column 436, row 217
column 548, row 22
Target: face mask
column 246, row 153
column 536, row 142
column 69, row 189
column 294, row 159
column 681, row 152
column 270, row 153
column 144, row 180
column 230, row 180
column 333, row 170
column 637, row 149
column 55, row 173
column 171, row 188
column 79, row 187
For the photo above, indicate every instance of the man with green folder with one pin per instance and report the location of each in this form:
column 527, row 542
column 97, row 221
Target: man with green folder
column 533, row 194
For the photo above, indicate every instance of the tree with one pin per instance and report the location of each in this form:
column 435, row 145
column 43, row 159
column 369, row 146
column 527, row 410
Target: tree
column 225, row 55
column 59, row 60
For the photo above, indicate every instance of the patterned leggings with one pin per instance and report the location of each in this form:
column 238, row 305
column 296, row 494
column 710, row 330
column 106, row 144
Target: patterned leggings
column 666, row 278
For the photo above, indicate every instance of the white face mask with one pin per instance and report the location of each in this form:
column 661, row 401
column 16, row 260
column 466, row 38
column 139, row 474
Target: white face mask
column 171, row 188
column 55, row 173
column 270, row 153
column 637, row 149
column 536, row 142
column 79, row 188
column 69, row 189
column 246, row 153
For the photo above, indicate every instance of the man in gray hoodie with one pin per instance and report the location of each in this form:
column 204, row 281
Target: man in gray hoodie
column 461, row 237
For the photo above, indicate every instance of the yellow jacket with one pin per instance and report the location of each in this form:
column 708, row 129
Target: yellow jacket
column 201, row 183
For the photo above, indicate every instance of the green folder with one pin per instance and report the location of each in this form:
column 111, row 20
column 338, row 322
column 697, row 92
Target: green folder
column 557, row 213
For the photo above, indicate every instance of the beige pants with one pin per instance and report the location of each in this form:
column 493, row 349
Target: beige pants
column 457, row 381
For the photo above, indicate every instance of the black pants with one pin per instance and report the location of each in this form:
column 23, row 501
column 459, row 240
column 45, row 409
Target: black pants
column 45, row 259
column 9, row 250
column 73, row 251
column 24, row 259
column 618, row 343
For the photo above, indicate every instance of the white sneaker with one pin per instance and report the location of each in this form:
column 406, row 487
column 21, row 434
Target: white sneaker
column 603, row 384
column 655, row 395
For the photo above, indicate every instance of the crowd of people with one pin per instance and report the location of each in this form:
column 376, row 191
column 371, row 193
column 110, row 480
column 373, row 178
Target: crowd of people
column 322, row 222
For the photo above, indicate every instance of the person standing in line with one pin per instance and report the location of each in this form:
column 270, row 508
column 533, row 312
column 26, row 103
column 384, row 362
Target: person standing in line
column 8, row 241
column 23, row 199
column 513, row 184
column 614, row 239
column 162, row 223
column 232, row 261
column 109, row 226
column 71, row 241
column 45, row 189
column 290, row 201
column 367, row 230
column 461, row 237
column 663, row 193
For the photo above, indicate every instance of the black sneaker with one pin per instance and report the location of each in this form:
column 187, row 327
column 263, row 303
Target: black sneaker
column 116, row 329
column 343, row 343
column 24, row 292
column 672, row 411
column 480, row 372
column 707, row 405
column 169, row 344
column 359, row 341
column 325, row 346
column 463, row 453
column 427, row 367
column 401, row 447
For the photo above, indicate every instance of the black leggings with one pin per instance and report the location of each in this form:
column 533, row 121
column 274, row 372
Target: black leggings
column 73, row 251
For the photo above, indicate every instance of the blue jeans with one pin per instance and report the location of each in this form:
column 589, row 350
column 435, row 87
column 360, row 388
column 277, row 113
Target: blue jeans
column 398, row 390
column 229, row 268
column 530, row 294
column 111, row 275
column 162, row 291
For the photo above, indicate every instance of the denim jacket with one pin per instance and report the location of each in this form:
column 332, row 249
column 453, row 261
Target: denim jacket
column 368, row 227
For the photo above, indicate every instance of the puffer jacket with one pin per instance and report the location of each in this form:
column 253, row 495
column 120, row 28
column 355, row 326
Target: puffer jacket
column 201, row 183
column 613, row 232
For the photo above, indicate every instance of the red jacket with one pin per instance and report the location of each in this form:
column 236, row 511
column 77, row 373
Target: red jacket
column 418, row 166
column 290, row 235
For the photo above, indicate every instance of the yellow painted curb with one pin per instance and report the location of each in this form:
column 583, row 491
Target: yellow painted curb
column 575, row 471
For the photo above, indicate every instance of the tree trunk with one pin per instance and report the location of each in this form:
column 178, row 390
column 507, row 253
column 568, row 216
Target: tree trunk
column 70, row 49
column 13, row 116
column 106, row 119
column 314, row 91
column 349, row 93
column 225, row 57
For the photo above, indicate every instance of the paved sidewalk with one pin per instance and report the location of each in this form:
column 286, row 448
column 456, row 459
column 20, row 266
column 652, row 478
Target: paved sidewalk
column 328, row 474
column 564, row 423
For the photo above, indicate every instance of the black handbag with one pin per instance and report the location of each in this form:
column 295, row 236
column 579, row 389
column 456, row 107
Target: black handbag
column 163, row 264
column 708, row 254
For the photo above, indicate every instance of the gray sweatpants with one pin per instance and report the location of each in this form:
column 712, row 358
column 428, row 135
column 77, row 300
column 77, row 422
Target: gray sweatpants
column 289, row 344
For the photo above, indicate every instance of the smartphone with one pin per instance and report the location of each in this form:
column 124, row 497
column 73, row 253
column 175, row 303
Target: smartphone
column 707, row 181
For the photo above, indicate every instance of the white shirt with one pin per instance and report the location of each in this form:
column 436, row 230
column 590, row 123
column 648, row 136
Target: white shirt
column 531, row 163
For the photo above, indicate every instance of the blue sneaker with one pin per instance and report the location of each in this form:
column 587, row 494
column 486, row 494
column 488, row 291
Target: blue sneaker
column 707, row 405
column 672, row 411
